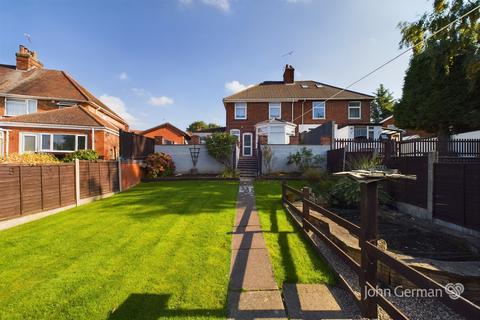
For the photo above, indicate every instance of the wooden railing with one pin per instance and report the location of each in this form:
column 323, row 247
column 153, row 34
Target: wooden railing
column 370, row 253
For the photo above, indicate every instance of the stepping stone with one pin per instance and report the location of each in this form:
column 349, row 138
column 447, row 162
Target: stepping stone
column 318, row 301
column 248, row 237
column 251, row 270
column 255, row 305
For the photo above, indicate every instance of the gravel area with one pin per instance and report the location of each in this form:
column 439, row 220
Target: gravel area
column 414, row 308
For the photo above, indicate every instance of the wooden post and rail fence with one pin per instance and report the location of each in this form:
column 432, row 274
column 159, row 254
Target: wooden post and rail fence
column 371, row 255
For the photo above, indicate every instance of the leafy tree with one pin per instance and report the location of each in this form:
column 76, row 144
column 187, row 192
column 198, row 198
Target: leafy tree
column 201, row 125
column 220, row 146
column 441, row 92
column 382, row 105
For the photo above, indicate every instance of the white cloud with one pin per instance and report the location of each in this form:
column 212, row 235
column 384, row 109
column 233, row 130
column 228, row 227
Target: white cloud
column 297, row 1
column 160, row 101
column 118, row 106
column 123, row 76
column 140, row 92
column 235, row 86
column 223, row 5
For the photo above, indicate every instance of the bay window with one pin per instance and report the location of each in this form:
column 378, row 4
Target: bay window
column 16, row 107
column 48, row 142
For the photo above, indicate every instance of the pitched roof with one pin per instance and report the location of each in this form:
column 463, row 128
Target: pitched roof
column 74, row 116
column 271, row 90
column 167, row 124
column 46, row 83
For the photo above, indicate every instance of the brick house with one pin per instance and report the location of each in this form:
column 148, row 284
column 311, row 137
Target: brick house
column 279, row 111
column 166, row 133
column 43, row 110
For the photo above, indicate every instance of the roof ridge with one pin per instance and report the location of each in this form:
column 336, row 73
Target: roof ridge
column 75, row 85
column 94, row 117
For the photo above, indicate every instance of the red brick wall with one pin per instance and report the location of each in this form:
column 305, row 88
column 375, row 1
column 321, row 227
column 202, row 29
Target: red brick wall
column 336, row 110
column 167, row 134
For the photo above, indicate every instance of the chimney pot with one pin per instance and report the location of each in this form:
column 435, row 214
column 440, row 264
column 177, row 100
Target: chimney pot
column 27, row 59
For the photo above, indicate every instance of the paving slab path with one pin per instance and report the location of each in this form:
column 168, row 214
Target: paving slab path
column 253, row 292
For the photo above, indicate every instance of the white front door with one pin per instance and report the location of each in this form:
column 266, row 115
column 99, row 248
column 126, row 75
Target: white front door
column 247, row 144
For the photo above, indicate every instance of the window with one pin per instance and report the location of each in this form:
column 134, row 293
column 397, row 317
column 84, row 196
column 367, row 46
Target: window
column 364, row 132
column 354, row 110
column 274, row 110
column 46, row 142
column 236, row 133
column 16, row 107
column 318, row 111
column 29, row 143
column 64, row 142
column 81, row 142
column 240, row 111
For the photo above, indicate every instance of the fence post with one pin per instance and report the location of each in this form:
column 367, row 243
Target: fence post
column 368, row 264
column 77, row 182
column 305, row 207
column 119, row 163
column 283, row 191
column 432, row 159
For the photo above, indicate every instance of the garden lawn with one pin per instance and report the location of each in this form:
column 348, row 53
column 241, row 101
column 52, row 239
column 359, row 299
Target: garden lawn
column 159, row 250
column 294, row 259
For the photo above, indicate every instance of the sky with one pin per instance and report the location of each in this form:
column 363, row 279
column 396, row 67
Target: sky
column 175, row 60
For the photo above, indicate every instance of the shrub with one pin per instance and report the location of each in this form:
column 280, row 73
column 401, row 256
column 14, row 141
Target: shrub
column 159, row 165
column 304, row 159
column 220, row 147
column 313, row 175
column 364, row 162
column 229, row 173
column 29, row 158
column 346, row 193
column 81, row 155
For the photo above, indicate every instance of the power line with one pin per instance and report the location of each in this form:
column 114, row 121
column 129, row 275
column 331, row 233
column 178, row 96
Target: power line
column 396, row 57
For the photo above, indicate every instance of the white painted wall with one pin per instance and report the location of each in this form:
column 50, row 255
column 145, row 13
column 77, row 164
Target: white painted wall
column 467, row 135
column 183, row 161
column 282, row 151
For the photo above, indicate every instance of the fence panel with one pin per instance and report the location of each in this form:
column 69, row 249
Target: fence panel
column 67, row 185
column 457, row 193
column 51, row 188
column 135, row 146
column 10, row 186
column 408, row 191
column 31, row 183
column 98, row 177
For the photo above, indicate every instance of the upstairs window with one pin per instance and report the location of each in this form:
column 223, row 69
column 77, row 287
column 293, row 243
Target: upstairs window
column 354, row 110
column 318, row 110
column 16, row 107
column 240, row 111
column 274, row 110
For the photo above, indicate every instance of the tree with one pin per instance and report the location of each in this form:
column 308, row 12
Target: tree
column 220, row 146
column 441, row 92
column 382, row 105
column 201, row 125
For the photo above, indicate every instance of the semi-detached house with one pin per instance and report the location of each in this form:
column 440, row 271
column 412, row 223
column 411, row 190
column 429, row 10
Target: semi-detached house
column 279, row 111
column 43, row 110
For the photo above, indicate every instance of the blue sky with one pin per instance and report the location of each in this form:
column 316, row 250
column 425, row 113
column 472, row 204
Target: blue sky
column 174, row 60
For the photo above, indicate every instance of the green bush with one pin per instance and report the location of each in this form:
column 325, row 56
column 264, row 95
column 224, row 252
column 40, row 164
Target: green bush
column 229, row 173
column 81, row 155
column 220, row 147
column 313, row 175
column 304, row 159
column 29, row 158
column 159, row 165
column 346, row 193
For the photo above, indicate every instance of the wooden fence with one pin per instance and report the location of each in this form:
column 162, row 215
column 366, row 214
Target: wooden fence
column 340, row 160
column 414, row 192
column 414, row 147
column 29, row 189
column 371, row 255
column 135, row 146
column 456, row 193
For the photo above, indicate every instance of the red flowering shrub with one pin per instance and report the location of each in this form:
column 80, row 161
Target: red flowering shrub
column 159, row 165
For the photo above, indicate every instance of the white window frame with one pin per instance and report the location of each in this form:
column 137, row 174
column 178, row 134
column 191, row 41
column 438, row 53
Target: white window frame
column 274, row 105
column 236, row 133
column 318, row 104
column 22, row 141
column 359, row 107
column 25, row 101
column 38, row 142
column 239, row 105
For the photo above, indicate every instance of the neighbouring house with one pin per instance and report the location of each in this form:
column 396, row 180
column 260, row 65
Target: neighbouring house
column 279, row 111
column 165, row 133
column 389, row 127
column 44, row 110
column 199, row 136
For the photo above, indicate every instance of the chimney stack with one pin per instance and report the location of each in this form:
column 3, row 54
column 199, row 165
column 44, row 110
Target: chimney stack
column 27, row 59
column 289, row 74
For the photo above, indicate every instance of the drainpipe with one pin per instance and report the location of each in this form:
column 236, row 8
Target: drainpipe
column 292, row 111
column 7, row 142
column 93, row 139
column 303, row 111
